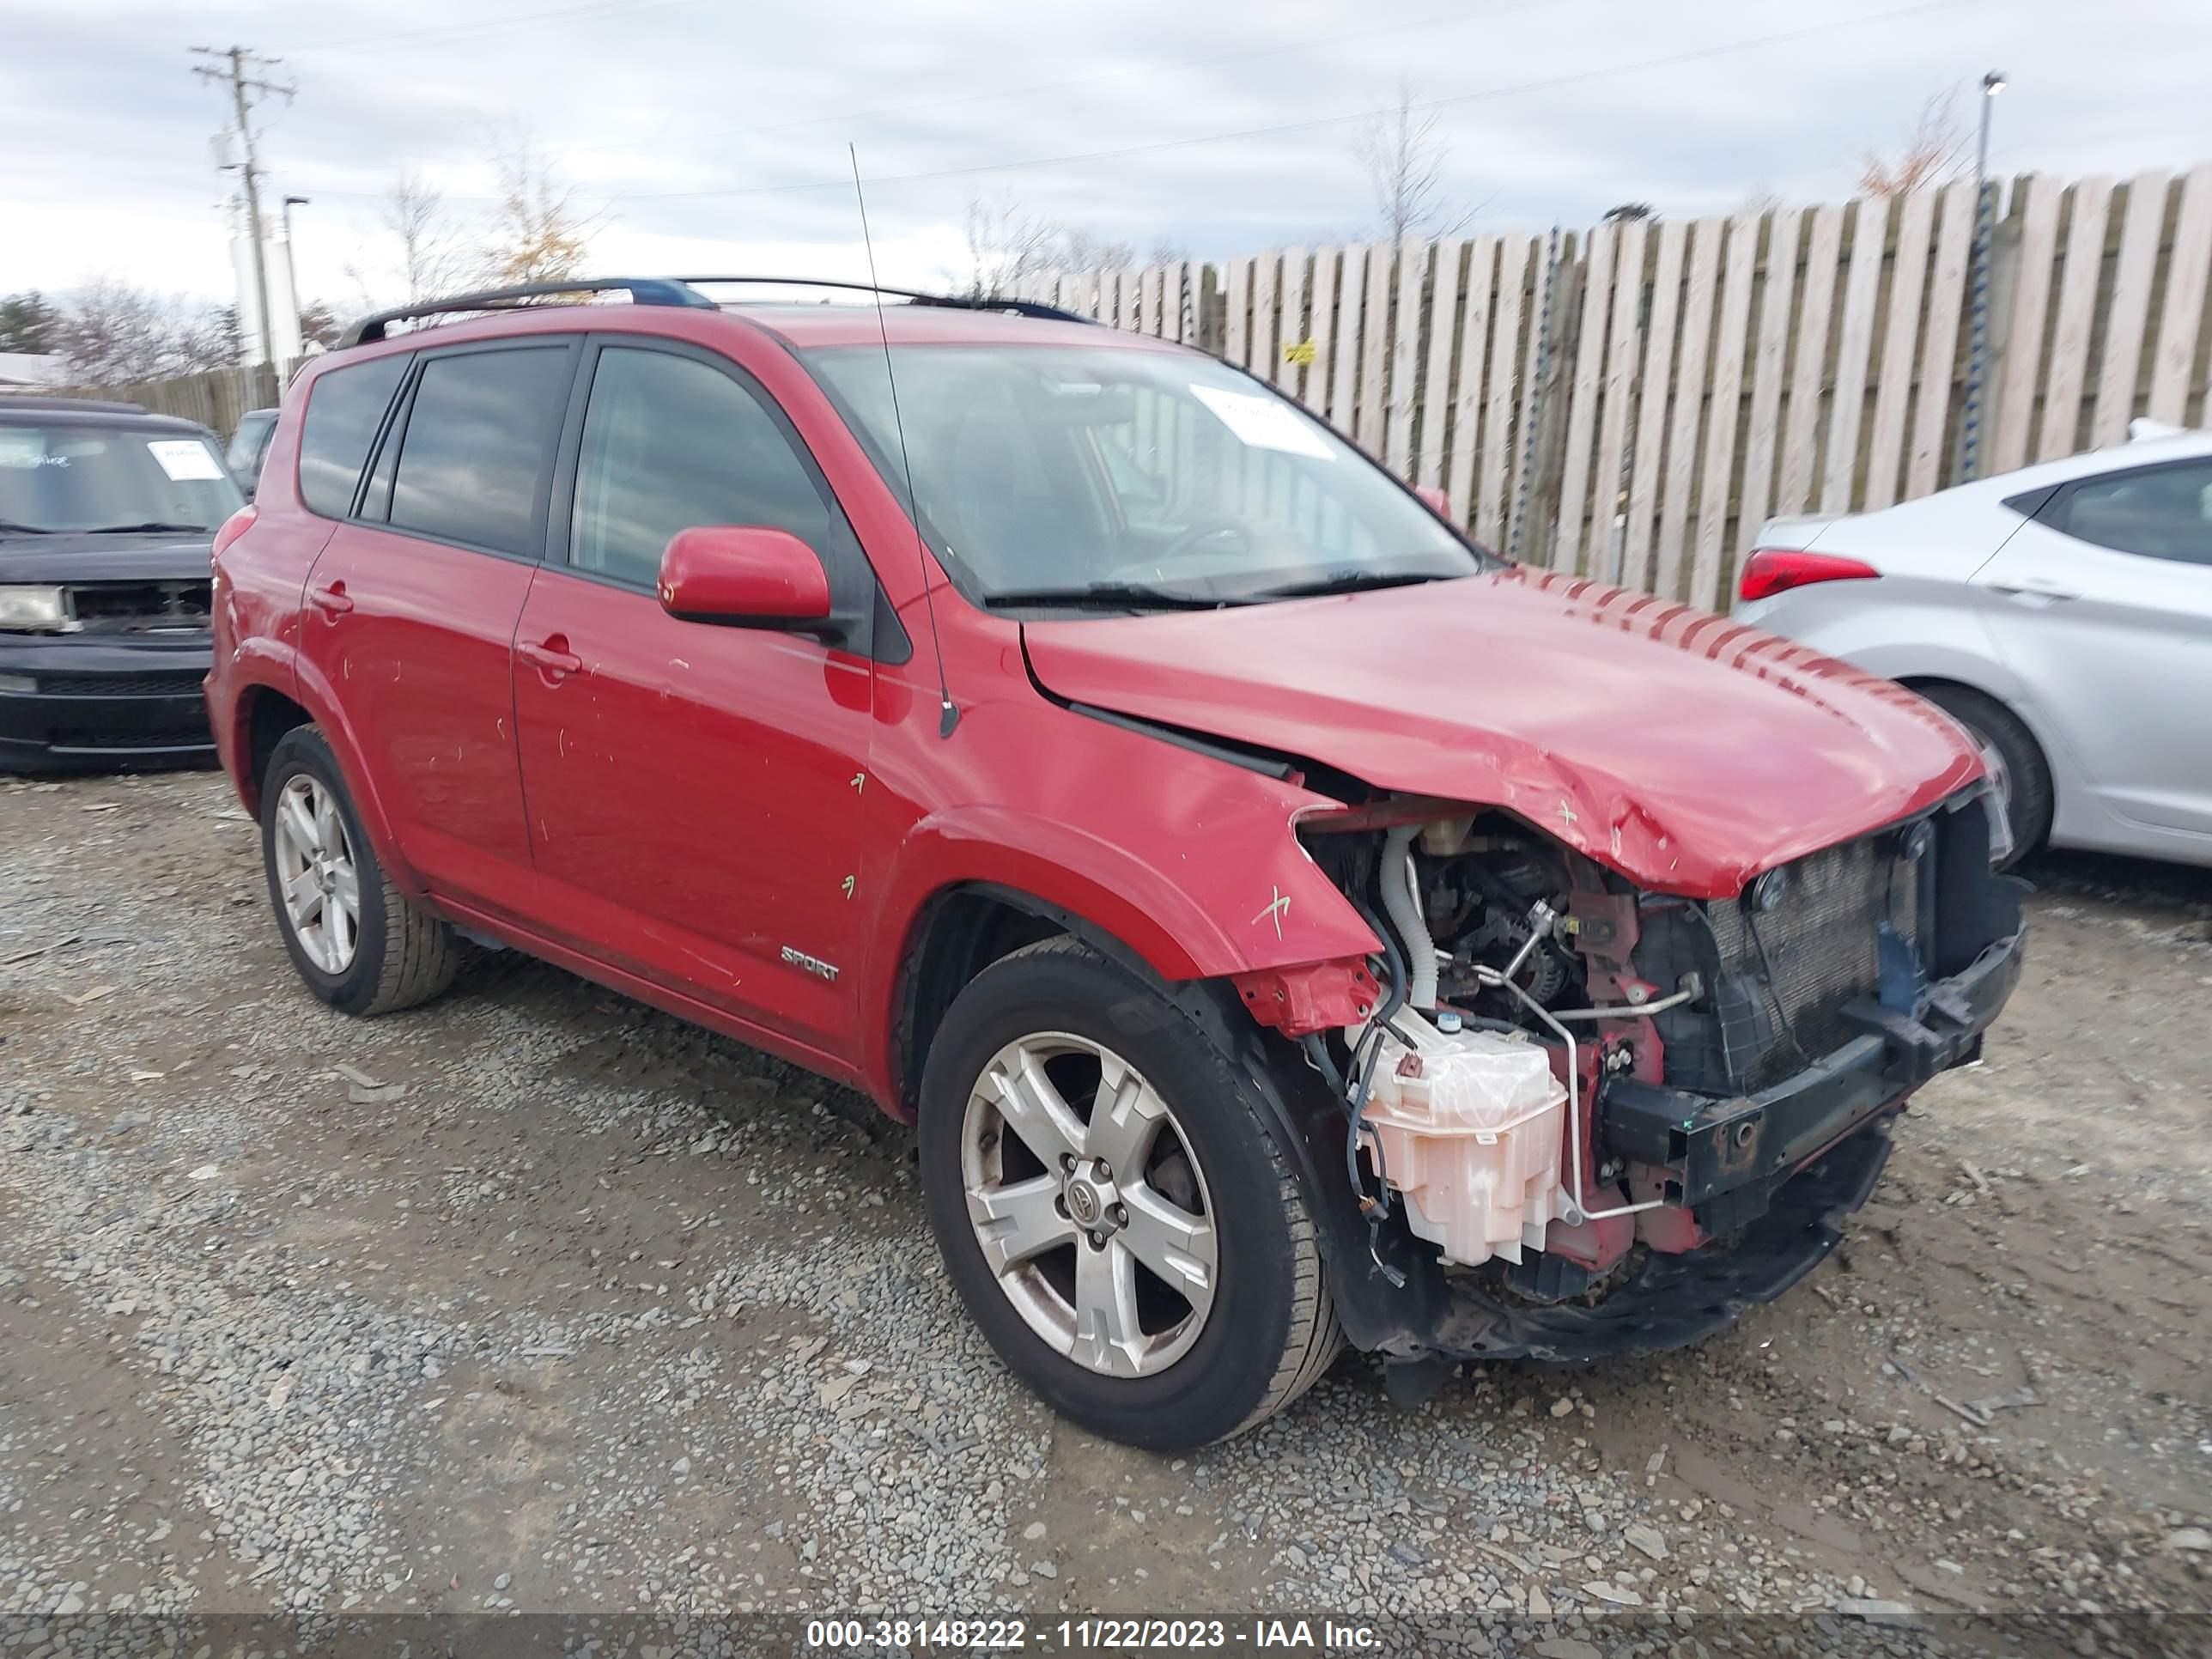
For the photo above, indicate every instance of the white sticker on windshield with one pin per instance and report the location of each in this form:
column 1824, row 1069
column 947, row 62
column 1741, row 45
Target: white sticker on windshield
column 185, row 458
column 1264, row 422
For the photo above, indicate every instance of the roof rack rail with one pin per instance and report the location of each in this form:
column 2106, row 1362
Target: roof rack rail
column 642, row 290
column 912, row 297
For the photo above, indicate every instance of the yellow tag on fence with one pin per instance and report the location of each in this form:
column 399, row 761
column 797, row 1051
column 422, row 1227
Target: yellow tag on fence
column 1299, row 351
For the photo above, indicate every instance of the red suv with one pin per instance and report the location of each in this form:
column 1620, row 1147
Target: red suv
column 1285, row 922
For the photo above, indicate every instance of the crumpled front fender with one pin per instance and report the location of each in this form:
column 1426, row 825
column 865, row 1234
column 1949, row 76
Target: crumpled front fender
column 1242, row 897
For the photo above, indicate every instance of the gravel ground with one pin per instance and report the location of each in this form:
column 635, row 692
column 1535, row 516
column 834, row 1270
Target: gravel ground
column 536, row 1299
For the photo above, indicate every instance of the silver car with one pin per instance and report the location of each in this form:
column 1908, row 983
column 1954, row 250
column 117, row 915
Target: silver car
column 2062, row 613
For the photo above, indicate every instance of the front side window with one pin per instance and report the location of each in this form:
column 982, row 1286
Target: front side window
column 479, row 445
column 345, row 406
column 2161, row 513
column 671, row 442
column 67, row 478
column 1056, row 469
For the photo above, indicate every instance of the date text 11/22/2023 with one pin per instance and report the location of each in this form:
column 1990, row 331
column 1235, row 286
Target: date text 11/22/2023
column 1110, row 1635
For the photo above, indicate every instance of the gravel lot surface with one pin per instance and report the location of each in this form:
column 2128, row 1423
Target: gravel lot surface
column 536, row 1299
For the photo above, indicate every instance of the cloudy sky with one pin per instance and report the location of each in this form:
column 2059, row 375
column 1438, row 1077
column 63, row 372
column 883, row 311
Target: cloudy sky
column 706, row 135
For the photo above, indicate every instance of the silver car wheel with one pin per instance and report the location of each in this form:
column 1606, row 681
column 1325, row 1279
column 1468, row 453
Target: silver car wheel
column 1093, row 1217
column 315, row 874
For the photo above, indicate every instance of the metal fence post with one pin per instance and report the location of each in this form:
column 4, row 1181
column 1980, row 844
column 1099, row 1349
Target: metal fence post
column 1212, row 312
column 1536, row 394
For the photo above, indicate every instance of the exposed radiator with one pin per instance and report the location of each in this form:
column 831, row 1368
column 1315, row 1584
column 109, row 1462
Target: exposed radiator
column 1821, row 941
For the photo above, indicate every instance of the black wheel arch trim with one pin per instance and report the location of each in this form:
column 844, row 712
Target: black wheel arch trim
column 915, row 1022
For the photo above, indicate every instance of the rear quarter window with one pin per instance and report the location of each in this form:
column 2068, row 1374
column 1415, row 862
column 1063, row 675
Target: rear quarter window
column 479, row 450
column 2153, row 511
column 345, row 406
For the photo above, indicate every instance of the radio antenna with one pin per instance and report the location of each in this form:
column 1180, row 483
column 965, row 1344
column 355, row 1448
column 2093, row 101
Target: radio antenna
column 947, row 715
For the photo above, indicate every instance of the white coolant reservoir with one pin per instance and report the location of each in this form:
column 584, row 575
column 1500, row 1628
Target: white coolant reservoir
column 1470, row 1124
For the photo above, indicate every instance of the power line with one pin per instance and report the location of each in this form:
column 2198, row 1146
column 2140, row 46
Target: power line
column 1436, row 19
column 1458, row 14
column 482, row 26
column 1575, row 77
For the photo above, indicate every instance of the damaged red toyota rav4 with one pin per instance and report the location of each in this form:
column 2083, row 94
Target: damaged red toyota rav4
column 1284, row 923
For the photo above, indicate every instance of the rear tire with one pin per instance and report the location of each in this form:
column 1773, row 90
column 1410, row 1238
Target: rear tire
column 2013, row 755
column 361, row 944
column 1208, row 1174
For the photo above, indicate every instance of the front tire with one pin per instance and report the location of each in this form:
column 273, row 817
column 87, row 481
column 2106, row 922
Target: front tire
column 2013, row 757
column 361, row 945
column 1112, row 1206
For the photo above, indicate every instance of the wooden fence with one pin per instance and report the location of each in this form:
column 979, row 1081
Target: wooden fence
column 1633, row 401
column 215, row 399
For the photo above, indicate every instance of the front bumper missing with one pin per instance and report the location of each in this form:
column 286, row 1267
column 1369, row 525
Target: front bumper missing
column 1726, row 1158
column 1671, row 1300
column 1771, row 1178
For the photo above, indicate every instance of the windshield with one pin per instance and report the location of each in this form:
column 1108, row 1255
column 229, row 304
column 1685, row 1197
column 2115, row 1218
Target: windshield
column 67, row 478
column 1131, row 477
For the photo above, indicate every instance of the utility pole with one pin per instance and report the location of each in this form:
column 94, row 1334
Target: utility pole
column 236, row 64
column 292, row 265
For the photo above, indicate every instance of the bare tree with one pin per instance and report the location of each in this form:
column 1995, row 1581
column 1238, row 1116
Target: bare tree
column 537, row 235
column 320, row 323
column 431, row 260
column 1008, row 246
column 1629, row 213
column 1935, row 151
column 1761, row 199
column 28, row 323
column 1078, row 249
column 112, row 334
column 210, row 339
column 1405, row 162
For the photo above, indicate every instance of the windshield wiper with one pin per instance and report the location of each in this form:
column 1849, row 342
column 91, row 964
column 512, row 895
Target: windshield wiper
column 151, row 526
column 1347, row 581
column 9, row 528
column 1109, row 596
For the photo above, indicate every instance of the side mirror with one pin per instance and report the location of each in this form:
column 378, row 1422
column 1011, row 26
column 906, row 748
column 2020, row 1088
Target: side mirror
column 744, row 576
column 1437, row 499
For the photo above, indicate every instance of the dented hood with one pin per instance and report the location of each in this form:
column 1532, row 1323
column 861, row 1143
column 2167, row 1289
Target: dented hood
column 1685, row 750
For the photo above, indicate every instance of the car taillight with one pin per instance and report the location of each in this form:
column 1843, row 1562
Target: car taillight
column 233, row 528
column 1774, row 570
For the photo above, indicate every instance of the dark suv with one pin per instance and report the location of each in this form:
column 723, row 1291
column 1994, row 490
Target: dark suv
column 106, row 517
column 1285, row 922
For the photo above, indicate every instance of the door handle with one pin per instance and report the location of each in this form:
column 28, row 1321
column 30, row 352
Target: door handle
column 553, row 655
column 331, row 601
column 2035, row 590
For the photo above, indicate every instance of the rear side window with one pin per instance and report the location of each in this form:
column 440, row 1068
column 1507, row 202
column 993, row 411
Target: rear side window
column 671, row 442
column 478, row 448
column 344, row 408
column 2160, row 513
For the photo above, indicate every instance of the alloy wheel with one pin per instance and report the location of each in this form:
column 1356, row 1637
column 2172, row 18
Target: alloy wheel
column 1088, row 1204
column 316, row 876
